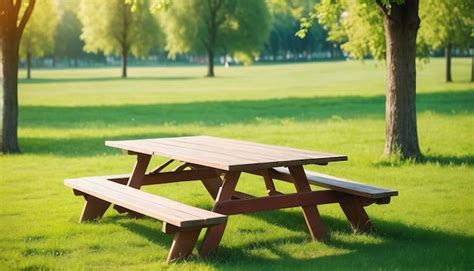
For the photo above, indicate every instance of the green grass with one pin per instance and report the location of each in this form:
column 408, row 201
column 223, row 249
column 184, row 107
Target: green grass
column 66, row 115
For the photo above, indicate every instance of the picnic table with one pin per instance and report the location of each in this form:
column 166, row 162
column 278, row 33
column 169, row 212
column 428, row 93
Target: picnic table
column 218, row 163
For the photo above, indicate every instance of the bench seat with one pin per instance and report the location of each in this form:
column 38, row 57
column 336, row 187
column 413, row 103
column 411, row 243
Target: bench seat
column 343, row 185
column 186, row 221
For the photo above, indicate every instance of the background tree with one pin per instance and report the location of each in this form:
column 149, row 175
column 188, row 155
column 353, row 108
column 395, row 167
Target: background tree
column 38, row 37
column 216, row 26
column 384, row 29
column 68, row 43
column 13, row 19
column 118, row 27
column 282, row 42
column 446, row 24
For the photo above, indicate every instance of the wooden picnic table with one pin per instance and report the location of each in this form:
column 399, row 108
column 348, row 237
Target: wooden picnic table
column 209, row 158
column 218, row 163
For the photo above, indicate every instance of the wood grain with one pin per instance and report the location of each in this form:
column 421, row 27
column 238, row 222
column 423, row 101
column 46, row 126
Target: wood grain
column 340, row 184
column 225, row 154
column 178, row 214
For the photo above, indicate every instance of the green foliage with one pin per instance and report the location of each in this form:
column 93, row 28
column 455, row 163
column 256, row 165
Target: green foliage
column 447, row 21
column 67, row 38
column 118, row 26
column 38, row 36
column 225, row 26
column 358, row 25
column 285, row 18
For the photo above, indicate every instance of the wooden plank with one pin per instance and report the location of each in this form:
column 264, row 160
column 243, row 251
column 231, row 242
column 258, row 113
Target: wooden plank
column 139, row 170
column 183, row 245
column 271, row 190
column 167, row 177
column 232, row 207
column 176, row 213
column 311, row 213
column 229, row 156
column 355, row 213
column 214, row 234
column 343, row 185
column 249, row 148
column 94, row 208
column 159, row 168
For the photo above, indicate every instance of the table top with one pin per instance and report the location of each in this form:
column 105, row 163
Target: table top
column 225, row 154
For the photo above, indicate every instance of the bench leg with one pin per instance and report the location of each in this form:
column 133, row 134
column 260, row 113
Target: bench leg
column 353, row 208
column 94, row 208
column 212, row 239
column 183, row 244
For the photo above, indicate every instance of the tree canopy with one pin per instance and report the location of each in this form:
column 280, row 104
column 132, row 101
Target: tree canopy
column 38, row 36
column 118, row 27
column 216, row 26
column 67, row 39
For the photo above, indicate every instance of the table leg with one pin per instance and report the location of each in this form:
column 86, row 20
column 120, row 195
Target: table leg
column 311, row 213
column 136, row 179
column 214, row 234
column 213, row 185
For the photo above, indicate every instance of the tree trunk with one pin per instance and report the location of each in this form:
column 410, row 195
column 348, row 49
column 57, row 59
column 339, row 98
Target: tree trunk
column 448, row 62
column 9, row 142
column 28, row 65
column 210, row 63
column 124, row 63
column 401, row 27
column 472, row 69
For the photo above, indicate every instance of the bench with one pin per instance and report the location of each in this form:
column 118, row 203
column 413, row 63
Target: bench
column 184, row 221
column 353, row 207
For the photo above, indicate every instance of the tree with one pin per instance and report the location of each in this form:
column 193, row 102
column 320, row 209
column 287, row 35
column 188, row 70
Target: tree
column 447, row 23
column 384, row 29
column 13, row 19
column 67, row 39
column 38, row 36
column 285, row 22
column 118, row 27
column 216, row 26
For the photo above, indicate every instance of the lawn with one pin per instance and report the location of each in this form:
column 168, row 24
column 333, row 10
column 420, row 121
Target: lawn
column 65, row 116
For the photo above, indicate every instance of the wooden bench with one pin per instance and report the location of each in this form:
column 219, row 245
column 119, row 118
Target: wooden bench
column 184, row 221
column 353, row 207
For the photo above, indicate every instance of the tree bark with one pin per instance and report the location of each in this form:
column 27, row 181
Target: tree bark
column 448, row 51
column 10, row 35
column 210, row 63
column 28, row 65
column 124, row 63
column 401, row 27
column 10, row 59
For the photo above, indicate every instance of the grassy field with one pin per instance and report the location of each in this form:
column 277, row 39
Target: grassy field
column 66, row 115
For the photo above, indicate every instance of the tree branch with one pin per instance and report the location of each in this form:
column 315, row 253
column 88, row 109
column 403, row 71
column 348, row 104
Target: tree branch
column 26, row 16
column 383, row 8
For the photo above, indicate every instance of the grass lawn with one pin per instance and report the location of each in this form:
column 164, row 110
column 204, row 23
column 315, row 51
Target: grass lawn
column 65, row 116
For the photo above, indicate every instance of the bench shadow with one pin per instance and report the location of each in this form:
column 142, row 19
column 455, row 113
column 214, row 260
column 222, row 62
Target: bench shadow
column 215, row 113
column 388, row 251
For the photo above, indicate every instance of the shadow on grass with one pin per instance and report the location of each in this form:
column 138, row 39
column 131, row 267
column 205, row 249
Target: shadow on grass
column 81, row 146
column 442, row 160
column 215, row 113
column 397, row 246
column 103, row 79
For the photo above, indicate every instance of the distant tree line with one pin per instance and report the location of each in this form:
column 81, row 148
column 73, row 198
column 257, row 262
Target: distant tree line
column 72, row 33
